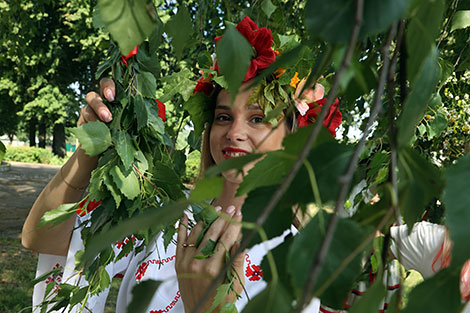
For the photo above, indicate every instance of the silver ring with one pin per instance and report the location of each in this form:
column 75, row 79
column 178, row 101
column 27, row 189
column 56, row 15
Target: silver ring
column 185, row 245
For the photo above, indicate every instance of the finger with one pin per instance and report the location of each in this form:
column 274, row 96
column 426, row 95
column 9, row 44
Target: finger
column 182, row 236
column 95, row 101
column 194, row 234
column 108, row 88
column 218, row 227
column 230, row 236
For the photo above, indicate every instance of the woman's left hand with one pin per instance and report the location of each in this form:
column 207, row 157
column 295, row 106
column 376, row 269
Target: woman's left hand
column 196, row 275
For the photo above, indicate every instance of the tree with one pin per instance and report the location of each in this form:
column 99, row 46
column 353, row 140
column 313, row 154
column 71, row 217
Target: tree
column 389, row 61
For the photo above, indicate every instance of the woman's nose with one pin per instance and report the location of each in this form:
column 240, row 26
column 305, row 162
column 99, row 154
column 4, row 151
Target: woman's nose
column 237, row 131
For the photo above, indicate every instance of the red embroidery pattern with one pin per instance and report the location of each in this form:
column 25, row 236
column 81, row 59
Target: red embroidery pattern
column 93, row 204
column 169, row 306
column 55, row 278
column 253, row 272
column 143, row 267
column 120, row 244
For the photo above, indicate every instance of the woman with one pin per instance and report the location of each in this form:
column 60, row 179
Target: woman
column 236, row 130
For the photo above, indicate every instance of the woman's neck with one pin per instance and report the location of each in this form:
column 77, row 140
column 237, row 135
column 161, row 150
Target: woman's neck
column 227, row 197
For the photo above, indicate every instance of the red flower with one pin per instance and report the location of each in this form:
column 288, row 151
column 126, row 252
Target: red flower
column 132, row 53
column 331, row 121
column 254, row 272
column 204, row 85
column 93, row 204
column 261, row 39
column 161, row 110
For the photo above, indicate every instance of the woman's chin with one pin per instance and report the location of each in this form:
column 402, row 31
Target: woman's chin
column 233, row 176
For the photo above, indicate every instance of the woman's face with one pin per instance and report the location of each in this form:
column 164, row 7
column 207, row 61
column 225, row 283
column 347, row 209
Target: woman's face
column 238, row 129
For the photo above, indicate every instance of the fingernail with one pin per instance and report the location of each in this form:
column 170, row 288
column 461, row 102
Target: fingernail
column 109, row 95
column 230, row 209
column 105, row 116
column 218, row 208
column 239, row 212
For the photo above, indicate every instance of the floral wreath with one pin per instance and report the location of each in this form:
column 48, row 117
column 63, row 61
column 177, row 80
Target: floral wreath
column 276, row 90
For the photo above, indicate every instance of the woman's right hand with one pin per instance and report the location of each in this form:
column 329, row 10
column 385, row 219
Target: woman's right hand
column 95, row 108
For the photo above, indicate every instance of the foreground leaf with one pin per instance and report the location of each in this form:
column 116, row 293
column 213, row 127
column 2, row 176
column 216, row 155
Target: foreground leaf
column 128, row 22
column 94, row 137
column 437, row 294
column 207, row 189
column 142, row 294
column 234, row 55
column 456, row 197
column 346, row 239
column 273, row 299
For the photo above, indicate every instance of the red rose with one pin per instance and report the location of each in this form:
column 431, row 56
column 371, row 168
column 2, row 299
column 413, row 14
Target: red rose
column 132, row 53
column 204, row 85
column 331, row 121
column 161, row 110
column 261, row 39
column 93, row 204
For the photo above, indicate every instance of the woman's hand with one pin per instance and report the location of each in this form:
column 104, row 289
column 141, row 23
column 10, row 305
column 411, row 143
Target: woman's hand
column 95, row 108
column 196, row 275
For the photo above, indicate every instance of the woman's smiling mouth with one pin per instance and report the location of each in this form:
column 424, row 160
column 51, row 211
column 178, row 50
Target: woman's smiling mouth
column 230, row 152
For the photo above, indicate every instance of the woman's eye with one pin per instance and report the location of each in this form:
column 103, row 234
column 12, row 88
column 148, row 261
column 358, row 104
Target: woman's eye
column 257, row 119
column 222, row 117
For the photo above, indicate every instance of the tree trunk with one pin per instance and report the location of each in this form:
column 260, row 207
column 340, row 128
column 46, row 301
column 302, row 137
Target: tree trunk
column 32, row 132
column 58, row 140
column 42, row 134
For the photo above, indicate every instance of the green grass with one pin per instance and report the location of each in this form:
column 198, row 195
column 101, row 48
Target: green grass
column 17, row 269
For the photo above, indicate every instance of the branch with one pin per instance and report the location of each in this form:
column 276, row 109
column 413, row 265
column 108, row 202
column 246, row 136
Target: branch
column 300, row 159
column 345, row 180
column 456, row 3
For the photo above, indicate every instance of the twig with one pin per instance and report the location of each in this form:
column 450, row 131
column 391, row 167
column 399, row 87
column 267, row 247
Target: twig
column 391, row 118
column 345, row 180
column 456, row 3
column 298, row 163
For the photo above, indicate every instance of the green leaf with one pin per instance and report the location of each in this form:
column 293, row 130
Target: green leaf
column 94, row 137
column 456, row 198
column 201, row 109
column 3, row 150
column 268, row 171
column 179, row 28
column 418, row 99
column 146, row 84
column 439, row 293
column 461, row 20
column 234, row 163
column 128, row 22
column 207, row 189
column 124, row 147
column 142, row 294
column 371, row 300
column 78, row 296
column 62, row 213
column 422, row 30
column 273, row 299
column 155, row 218
column 219, row 298
column 128, row 184
column 208, row 250
column 333, row 20
column 268, row 8
column 416, row 176
column 111, row 186
column 178, row 82
column 141, row 112
column 347, row 237
column 277, row 222
column 233, row 55
column 228, row 307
